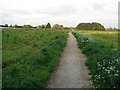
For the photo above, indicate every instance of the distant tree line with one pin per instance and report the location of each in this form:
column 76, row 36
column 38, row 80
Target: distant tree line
column 47, row 26
column 56, row 26
column 16, row 26
column 44, row 26
column 81, row 26
column 90, row 26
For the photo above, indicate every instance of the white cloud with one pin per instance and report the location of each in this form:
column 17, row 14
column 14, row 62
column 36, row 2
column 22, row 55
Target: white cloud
column 66, row 12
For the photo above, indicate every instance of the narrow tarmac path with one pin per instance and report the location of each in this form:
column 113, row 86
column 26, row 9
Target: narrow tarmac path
column 71, row 72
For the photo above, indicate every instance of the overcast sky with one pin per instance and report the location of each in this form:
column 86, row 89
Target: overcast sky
column 66, row 12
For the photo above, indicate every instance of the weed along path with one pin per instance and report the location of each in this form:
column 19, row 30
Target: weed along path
column 71, row 72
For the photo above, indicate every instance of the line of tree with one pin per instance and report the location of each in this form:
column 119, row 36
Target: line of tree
column 90, row 26
column 48, row 26
column 44, row 26
column 81, row 26
column 17, row 26
column 6, row 25
column 56, row 26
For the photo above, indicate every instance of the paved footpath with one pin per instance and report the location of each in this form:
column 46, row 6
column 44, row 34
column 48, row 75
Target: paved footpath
column 71, row 72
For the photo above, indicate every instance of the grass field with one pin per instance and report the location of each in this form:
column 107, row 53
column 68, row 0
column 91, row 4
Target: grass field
column 106, row 38
column 20, row 44
column 101, row 48
column 30, row 56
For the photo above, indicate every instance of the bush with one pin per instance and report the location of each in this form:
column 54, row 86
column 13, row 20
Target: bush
column 90, row 26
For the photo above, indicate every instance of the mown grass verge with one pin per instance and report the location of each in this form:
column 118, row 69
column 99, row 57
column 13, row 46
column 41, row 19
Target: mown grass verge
column 35, row 70
column 103, row 62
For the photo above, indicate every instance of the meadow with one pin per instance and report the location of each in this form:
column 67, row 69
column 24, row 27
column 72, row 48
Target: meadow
column 30, row 56
column 106, row 38
column 101, row 49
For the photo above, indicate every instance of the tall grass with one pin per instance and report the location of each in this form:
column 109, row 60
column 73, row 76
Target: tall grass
column 103, row 61
column 18, row 44
column 107, row 38
column 43, row 49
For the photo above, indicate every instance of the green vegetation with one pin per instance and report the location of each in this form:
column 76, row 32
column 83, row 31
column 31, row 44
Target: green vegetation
column 48, row 25
column 29, row 57
column 31, row 54
column 57, row 26
column 90, row 26
column 27, row 26
column 103, row 59
column 43, row 26
column 107, row 38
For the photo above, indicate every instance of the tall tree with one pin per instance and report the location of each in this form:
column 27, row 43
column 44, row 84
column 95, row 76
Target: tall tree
column 43, row 26
column 16, row 25
column 48, row 25
column 6, row 25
